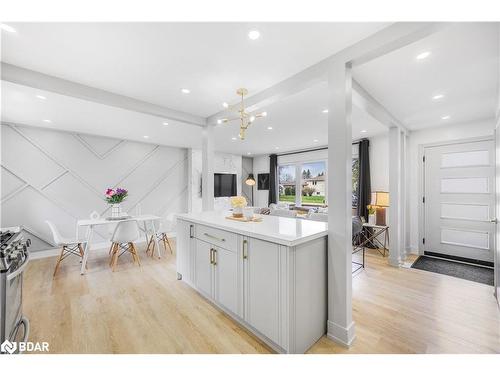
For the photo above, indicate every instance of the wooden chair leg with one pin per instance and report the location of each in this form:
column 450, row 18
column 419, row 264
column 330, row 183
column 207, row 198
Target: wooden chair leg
column 135, row 254
column 167, row 241
column 59, row 261
column 82, row 253
column 115, row 256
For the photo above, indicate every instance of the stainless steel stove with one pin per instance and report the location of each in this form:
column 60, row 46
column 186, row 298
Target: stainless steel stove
column 14, row 257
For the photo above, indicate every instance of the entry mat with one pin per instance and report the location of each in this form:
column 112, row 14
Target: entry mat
column 447, row 267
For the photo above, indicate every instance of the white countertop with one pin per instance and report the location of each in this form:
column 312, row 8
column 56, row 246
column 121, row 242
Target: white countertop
column 283, row 230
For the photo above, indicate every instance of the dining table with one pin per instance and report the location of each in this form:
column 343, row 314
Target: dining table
column 147, row 222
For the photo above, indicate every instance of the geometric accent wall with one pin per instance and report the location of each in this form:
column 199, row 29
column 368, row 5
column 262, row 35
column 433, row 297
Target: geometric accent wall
column 61, row 176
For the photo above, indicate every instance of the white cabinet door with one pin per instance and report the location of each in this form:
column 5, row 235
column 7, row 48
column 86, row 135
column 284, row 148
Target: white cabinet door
column 203, row 267
column 184, row 248
column 226, row 279
column 261, row 283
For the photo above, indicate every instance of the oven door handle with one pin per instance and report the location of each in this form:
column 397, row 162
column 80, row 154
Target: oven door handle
column 17, row 272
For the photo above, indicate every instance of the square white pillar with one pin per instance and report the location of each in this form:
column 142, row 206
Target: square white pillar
column 207, row 174
column 340, row 324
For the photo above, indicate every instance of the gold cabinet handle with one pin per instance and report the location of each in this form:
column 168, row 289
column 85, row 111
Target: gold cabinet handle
column 245, row 249
column 215, row 238
column 215, row 257
column 211, row 256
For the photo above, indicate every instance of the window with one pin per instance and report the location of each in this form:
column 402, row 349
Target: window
column 287, row 180
column 313, row 184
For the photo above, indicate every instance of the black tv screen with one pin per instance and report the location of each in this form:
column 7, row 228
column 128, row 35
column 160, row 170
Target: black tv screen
column 224, row 185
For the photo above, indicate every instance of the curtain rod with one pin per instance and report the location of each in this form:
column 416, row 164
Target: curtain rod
column 313, row 149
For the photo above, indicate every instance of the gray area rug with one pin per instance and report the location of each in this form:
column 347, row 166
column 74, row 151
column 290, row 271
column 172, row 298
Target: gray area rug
column 463, row 271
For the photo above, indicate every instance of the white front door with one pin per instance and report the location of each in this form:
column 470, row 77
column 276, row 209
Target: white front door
column 459, row 200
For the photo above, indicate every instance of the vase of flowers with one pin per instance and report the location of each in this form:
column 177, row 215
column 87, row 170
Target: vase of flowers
column 371, row 214
column 115, row 197
column 238, row 203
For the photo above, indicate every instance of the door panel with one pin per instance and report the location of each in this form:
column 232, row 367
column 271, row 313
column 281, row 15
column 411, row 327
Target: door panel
column 226, row 279
column 262, row 287
column 460, row 200
column 203, row 268
column 183, row 257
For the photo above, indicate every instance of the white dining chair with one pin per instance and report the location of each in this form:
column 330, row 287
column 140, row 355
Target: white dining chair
column 162, row 227
column 69, row 246
column 123, row 238
column 318, row 217
column 283, row 213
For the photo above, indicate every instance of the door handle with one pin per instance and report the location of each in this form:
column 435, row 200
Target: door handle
column 211, row 256
column 245, row 249
column 191, row 227
column 215, row 257
column 494, row 220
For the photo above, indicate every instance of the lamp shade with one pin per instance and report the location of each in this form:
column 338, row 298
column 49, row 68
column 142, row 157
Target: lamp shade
column 250, row 180
column 380, row 198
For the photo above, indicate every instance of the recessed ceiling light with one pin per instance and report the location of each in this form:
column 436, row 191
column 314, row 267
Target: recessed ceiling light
column 315, row 141
column 219, row 121
column 185, row 91
column 276, row 148
column 41, row 97
column 254, row 35
column 7, row 28
column 447, row 117
column 364, row 131
column 47, row 121
column 249, row 153
column 325, row 111
column 145, row 136
column 438, row 96
column 264, row 114
column 269, row 128
column 233, row 139
column 423, row 55
column 225, row 105
column 165, row 123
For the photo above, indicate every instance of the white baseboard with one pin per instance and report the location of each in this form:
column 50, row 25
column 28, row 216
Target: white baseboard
column 95, row 247
column 341, row 335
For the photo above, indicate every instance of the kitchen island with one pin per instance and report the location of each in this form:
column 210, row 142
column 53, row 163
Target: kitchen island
column 270, row 276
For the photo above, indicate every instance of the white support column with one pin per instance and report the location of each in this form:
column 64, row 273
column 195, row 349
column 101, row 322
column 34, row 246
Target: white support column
column 340, row 325
column 208, row 157
column 397, row 252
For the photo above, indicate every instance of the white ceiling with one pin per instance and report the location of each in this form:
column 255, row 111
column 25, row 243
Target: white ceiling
column 463, row 65
column 153, row 61
column 21, row 106
column 297, row 121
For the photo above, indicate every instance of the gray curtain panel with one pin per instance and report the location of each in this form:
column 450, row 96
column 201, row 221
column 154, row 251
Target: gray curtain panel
column 273, row 178
column 364, row 190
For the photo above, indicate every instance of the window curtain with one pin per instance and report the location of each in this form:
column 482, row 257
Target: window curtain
column 364, row 186
column 273, row 178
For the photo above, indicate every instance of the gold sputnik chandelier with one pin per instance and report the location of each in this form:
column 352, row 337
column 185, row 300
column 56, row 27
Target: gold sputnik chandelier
column 245, row 118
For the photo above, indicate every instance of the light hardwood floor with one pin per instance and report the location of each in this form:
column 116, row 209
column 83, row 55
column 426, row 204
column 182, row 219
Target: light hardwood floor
column 146, row 310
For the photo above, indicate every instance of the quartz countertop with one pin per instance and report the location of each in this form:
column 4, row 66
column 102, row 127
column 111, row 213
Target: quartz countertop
column 283, row 230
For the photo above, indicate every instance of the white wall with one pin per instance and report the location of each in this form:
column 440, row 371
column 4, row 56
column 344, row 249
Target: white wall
column 379, row 162
column 61, row 176
column 426, row 136
column 260, row 165
column 224, row 163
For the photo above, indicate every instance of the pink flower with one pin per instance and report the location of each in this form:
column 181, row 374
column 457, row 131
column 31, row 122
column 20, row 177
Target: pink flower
column 110, row 192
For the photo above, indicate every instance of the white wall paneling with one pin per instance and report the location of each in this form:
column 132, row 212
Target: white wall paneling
column 60, row 176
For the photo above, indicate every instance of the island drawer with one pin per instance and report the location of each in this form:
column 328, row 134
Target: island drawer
column 217, row 237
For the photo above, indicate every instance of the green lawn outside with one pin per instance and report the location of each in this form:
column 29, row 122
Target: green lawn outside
column 315, row 199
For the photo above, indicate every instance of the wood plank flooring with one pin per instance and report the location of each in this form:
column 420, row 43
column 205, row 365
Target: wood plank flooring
column 146, row 310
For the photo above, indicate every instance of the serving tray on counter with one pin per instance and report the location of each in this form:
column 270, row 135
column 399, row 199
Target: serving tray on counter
column 244, row 219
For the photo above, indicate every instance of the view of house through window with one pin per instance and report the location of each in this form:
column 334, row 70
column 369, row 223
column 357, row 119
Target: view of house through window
column 313, row 184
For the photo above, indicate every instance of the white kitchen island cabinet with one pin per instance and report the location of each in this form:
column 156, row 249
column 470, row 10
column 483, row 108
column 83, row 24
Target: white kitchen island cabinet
column 270, row 276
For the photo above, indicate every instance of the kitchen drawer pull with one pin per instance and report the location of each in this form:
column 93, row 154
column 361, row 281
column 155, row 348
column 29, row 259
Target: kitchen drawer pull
column 245, row 249
column 211, row 256
column 215, row 257
column 215, row 238
column 191, row 227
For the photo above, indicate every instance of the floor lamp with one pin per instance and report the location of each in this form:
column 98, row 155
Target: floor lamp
column 250, row 181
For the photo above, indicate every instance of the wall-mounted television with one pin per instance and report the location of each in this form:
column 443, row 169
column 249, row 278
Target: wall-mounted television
column 224, row 185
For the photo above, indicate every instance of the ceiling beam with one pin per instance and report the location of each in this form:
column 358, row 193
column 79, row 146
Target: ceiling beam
column 31, row 78
column 365, row 101
column 378, row 44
